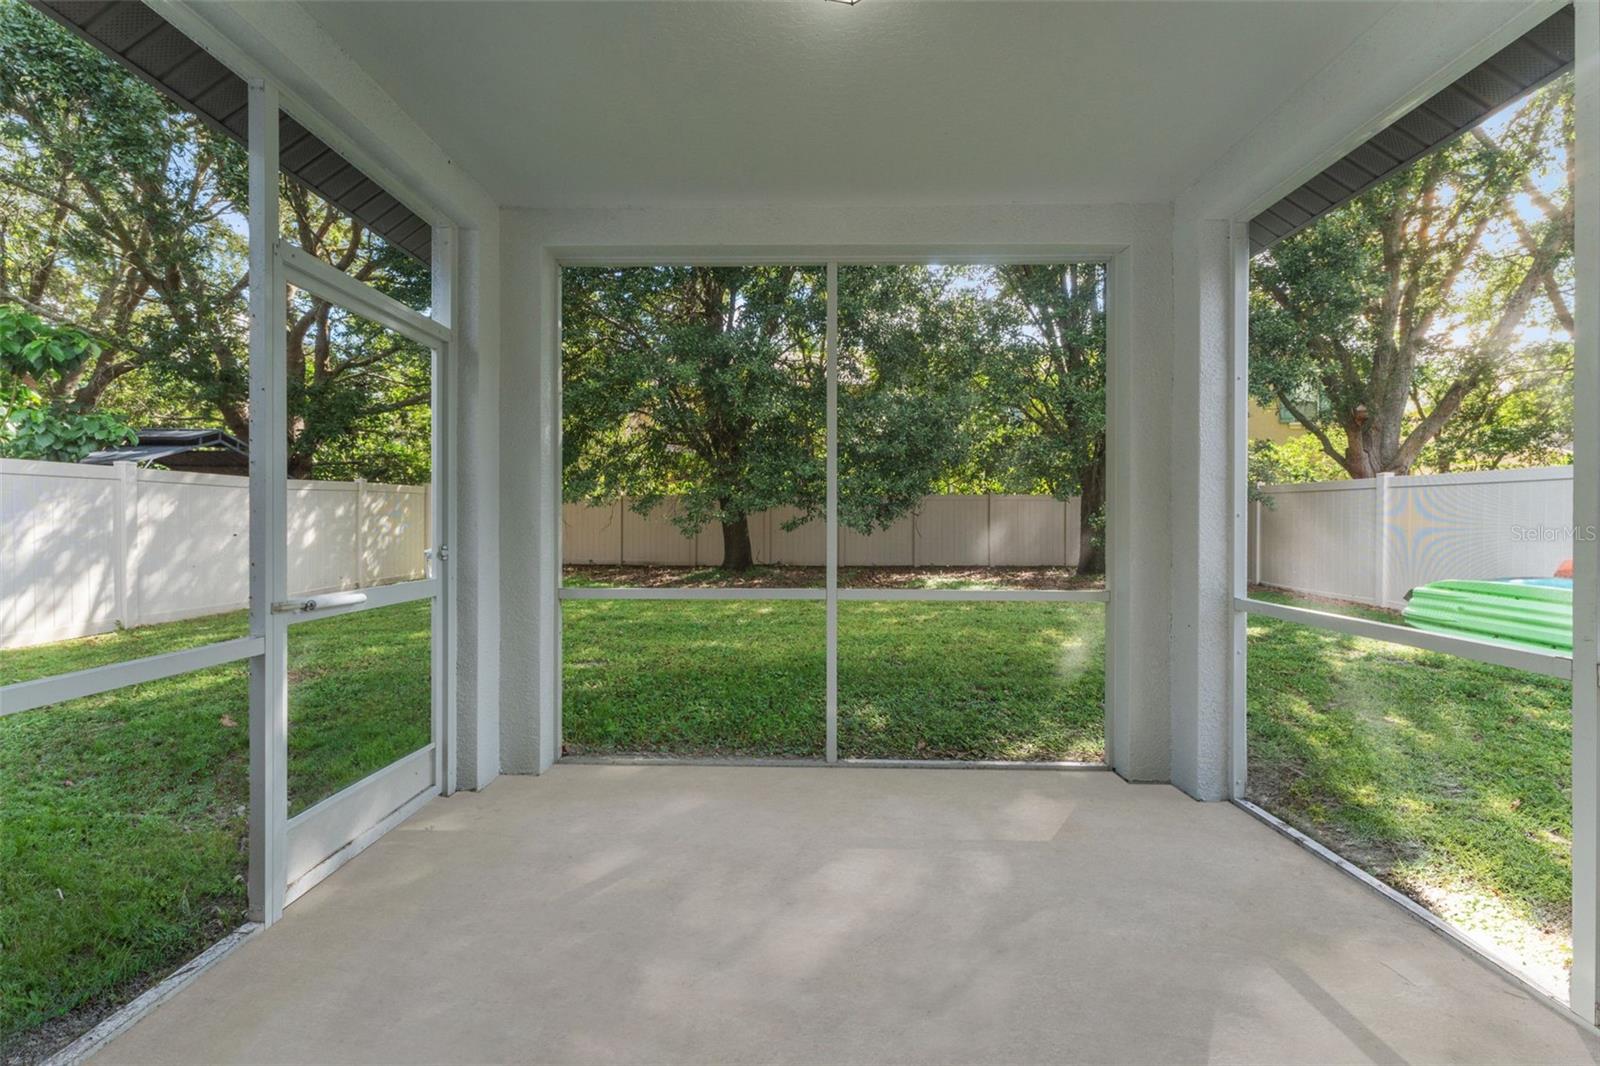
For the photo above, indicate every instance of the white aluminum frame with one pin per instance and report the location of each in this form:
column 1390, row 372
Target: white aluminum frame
column 830, row 594
column 317, row 841
column 1582, row 667
column 276, row 264
column 45, row 691
column 1547, row 663
column 1585, row 986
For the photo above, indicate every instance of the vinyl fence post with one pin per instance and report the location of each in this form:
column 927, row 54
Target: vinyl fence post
column 1255, row 542
column 361, row 532
column 125, row 522
column 1380, row 503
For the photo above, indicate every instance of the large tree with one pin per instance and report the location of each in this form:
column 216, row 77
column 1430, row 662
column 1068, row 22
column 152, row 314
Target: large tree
column 912, row 341
column 1044, row 390
column 701, row 383
column 122, row 218
column 707, row 384
column 1399, row 321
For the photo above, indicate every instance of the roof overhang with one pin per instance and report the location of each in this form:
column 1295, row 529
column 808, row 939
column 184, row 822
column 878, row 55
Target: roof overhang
column 159, row 53
column 1538, row 56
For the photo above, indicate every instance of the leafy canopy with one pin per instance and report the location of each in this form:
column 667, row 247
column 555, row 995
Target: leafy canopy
column 35, row 423
column 122, row 218
column 708, row 385
column 1428, row 321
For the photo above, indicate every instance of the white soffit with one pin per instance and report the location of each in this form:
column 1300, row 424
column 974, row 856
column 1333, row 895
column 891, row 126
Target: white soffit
column 611, row 102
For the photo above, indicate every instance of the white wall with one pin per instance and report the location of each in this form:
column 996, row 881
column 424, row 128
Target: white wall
column 1141, row 318
column 85, row 549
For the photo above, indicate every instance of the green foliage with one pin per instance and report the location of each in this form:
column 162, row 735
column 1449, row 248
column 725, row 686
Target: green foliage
column 123, row 216
column 1043, row 380
column 36, row 422
column 1416, row 312
column 707, row 384
column 1522, row 417
column 910, row 346
column 1297, row 460
column 704, row 383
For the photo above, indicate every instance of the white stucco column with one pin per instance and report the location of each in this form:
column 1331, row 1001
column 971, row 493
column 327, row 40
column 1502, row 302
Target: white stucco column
column 530, row 509
column 1202, row 506
column 475, row 540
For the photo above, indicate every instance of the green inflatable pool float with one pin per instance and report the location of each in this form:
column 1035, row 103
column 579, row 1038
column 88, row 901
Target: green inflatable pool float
column 1530, row 612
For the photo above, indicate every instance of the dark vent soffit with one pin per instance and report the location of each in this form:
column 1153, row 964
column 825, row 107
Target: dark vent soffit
column 1511, row 73
column 156, row 51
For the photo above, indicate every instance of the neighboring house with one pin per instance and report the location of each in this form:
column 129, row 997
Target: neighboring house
column 201, row 451
column 1273, row 423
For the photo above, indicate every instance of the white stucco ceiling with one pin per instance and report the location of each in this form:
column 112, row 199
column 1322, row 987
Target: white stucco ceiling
column 764, row 101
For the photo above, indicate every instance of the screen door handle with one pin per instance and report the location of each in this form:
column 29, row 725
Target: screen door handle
column 325, row 602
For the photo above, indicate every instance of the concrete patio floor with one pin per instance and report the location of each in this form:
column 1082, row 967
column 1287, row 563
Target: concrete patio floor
column 723, row 914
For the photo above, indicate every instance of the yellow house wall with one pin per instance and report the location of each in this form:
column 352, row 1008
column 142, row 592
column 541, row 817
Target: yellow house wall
column 1264, row 425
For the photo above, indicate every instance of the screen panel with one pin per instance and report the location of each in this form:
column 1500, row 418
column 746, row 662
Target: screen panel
column 693, row 678
column 972, row 426
column 360, row 696
column 693, row 409
column 1446, row 778
column 1020, row 682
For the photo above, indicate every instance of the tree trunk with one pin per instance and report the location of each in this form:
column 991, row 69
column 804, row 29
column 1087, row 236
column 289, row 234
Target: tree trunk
column 736, row 554
column 1091, row 505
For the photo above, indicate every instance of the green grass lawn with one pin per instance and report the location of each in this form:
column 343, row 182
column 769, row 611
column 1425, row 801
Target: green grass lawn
column 121, row 847
column 122, row 815
column 1449, row 779
column 916, row 680
column 693, row 677
column 1016, row 681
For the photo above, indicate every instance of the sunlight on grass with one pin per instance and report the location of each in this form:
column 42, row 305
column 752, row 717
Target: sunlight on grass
column 1445, row 777
column 1001, row 681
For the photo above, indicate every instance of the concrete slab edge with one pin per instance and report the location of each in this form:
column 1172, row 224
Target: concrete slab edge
column 1502, row 967
column 892, row 764
column 128, row 1015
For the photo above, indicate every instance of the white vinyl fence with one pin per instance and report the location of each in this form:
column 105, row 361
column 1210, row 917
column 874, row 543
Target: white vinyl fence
column 945, row 531
column 84, row 549
column 1373, row 540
